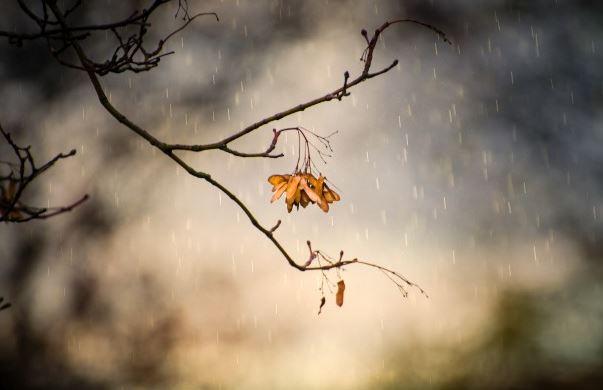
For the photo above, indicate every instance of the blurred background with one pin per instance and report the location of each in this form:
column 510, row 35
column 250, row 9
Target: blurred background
column 474, row 169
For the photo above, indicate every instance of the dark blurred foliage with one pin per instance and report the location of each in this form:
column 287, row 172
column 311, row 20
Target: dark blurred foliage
column 533, row 340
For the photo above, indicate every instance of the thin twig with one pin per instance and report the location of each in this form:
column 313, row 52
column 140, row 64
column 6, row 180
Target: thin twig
column 22, row 173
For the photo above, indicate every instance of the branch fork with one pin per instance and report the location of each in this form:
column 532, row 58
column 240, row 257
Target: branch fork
column 22, row 172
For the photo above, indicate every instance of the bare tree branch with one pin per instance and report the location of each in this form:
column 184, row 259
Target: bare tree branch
column 20, row 174
column 17, row 38
column 130, row 54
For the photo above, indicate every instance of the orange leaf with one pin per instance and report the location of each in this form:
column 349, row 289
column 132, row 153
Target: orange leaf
column 289, row 202
column 324, row 205
column 330, row 195
column 335, row 194
column 311, row 194
column 292, row 186
column 279, row 191
column 305, row 200
column 275, row 180
column 297, row 197
column 311, row 180
column 320, row 182
column 320, row 185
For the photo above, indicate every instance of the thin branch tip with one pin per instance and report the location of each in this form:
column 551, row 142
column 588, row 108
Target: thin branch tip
column 273, row 229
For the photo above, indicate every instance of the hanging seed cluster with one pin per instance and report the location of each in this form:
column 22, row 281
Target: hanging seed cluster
column 302, row 189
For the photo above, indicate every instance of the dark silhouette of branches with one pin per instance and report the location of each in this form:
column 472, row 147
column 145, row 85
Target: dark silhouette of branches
column 131, row 54
column 17, row 175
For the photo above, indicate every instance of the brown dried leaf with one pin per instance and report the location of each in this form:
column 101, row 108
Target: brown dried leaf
column 305, row 200
column 297, row 197
column 275, row 180
column 311, row 194
column 335, row 195
column 280, row 189
column 311, row 180
column 292, row 186
column 290, row 202
column 330, row 195
column 319, row 184
column 339, row 295
column 324, row 203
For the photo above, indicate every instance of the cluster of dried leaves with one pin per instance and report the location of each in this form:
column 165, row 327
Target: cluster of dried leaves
column 303, row 189
column 338, row 296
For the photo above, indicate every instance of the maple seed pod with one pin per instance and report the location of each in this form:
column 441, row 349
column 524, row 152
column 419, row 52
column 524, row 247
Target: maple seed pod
column 311, row 194
column 280, row 189
column 330, row 195
column 292, row 187
column 302, row 189
column 275, row 180
column 305, row 199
